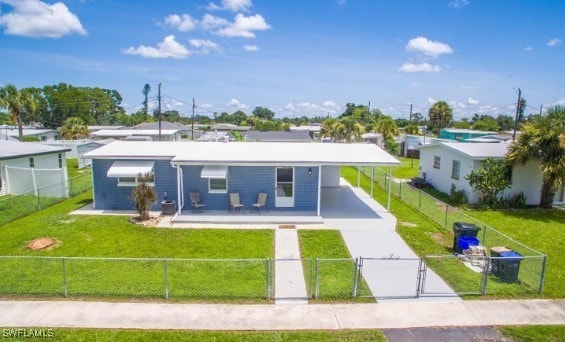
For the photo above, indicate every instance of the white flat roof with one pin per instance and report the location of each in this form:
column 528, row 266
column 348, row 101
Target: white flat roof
column 246, row 153
column 475, row 150
column 128, row 132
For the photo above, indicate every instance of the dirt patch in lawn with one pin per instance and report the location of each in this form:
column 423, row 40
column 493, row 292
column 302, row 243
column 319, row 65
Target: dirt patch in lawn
column 440, row 239
column 408, row 224
column 151, row 222
column 42, row 243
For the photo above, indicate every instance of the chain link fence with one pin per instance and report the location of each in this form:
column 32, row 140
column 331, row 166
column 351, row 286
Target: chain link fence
column 532, row 264
column 15, row 207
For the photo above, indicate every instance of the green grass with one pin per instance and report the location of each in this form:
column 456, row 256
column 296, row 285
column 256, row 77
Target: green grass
column 116, row 237
column 427, row 237
column 337, row 269
column 535, row 333
column 539, row 229
column 409, row 168
column 235, row 336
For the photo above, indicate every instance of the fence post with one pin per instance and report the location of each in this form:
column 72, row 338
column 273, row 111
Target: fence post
column 166, row 275
column 420, row 200
column 542, row 278
column 355, row 277
column 64, row 269
column 484, row 234
column 485, row 277
column 372, row 179
column 419, row 285
column 268, row 278
column 311, row 278
column 358, row 176
column 400, row 189
column 317, row 294
column 445, row 223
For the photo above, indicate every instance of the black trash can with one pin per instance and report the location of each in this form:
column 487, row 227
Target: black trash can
column 507, row 266
column 463, row 229
column 168, row 207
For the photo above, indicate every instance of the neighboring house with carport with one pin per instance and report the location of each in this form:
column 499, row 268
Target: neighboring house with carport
column 278, row 136
column 33, row 168
column 445, row 163
column 291, row 174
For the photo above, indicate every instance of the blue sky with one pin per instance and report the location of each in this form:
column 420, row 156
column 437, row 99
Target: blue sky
column 295, row 57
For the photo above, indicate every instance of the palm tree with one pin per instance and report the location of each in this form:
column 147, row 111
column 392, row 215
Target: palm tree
column 74, row 129
column 440, row 114
column 17, row 103
column 543, row 138
column 388, row 128
column 348, row 129
column 146, row 91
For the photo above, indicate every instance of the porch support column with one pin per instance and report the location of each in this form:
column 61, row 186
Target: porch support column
column 319, row 188
column 179, row 189
column 389, row 188
column 358, row 176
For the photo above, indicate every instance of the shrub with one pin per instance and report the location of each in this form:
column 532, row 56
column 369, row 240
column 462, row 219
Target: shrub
column 144, row 195
column 457, row 197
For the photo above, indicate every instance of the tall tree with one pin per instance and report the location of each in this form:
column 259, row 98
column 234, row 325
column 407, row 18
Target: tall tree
column 18, row 103
column 263, row 113
column 388, row 128
column 543, row 139
column 440, row 114
column 74, row 129
column 146, row 91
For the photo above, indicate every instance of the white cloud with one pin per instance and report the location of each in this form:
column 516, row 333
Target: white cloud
column 427, row 47
column 251, row 48
column 244, row 26
column 205, row 105
column 168, row 48
column 308, row 105
column 183, row 22
column 34, row 18
column 472, row 101
column 210, row 22
column 458, row 3
column 232, row 5
column 554, row 42
column 289, row 106
column 237, row 104
column 330, row 104
column 204, row 46
column 528, row 48
column 431, row 100
column 422, row 67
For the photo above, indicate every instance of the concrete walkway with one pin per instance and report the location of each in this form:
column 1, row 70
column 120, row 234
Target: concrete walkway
column 279, row 317
column 290, row 287
column 369, row 231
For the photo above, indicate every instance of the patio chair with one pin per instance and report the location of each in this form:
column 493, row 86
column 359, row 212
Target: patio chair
column 235, row 203
column 261, row 202
column 196, row 201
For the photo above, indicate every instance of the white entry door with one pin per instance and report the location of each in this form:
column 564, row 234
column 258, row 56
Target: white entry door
column 284, row 197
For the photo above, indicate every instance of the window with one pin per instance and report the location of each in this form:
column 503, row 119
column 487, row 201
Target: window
column 60, row 160
column 508, row 173
column 437, row 162
column 43, row 138
column 31, row 162
column 455, row 169
column 217, row 185
column 133, row 181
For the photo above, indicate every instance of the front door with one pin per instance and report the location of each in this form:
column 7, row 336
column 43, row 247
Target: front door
column 284, row 197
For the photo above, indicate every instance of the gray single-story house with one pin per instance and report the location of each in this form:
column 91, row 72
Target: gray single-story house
column 291, row 174
column 445, row 163
column 278, row 136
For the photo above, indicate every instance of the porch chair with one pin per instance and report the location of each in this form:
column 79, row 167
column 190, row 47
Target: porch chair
column 261, row 202
column 196, row 201
column 235, row 203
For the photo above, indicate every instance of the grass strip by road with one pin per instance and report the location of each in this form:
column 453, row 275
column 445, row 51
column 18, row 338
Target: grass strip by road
column 535, row 333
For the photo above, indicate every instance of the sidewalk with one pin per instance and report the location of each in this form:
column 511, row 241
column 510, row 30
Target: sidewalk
column 77, row 314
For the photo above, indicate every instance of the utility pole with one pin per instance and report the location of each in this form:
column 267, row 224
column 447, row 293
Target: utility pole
column 192, row 130
column 410, row 113
column 159, row 110
column 517, row 114
column 540, row 109
column 369, row 106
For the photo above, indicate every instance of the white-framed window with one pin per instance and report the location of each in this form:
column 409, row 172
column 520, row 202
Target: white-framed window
column 134, row 181
column 217, row 185
column 455, row 169
column 31, row 162
column 437, row 162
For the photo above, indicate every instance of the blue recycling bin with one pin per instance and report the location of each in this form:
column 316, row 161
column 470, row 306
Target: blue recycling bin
column 507, row 266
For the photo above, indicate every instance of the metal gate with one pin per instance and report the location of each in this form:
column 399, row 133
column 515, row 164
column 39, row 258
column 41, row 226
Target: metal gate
column 391, row 277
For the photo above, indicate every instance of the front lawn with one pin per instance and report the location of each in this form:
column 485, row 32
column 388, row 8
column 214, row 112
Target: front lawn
column 410, row 168
column 160, row 274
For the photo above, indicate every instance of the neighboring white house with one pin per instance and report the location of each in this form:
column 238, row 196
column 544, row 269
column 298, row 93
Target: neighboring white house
column 445, row 163
column 33, row 168
column 12, row 133
column 138, row 134
column 79, row 147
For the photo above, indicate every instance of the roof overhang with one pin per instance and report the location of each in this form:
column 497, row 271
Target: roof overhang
column 130, row 168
